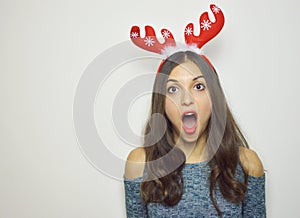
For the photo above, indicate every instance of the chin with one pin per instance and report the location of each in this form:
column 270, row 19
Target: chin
column 190, row 140
column 190, row 137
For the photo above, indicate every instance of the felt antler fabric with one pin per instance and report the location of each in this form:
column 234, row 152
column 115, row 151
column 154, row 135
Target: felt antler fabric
column 208, row 29
column 150, row 42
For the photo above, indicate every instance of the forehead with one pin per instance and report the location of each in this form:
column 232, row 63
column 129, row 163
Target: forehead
column 185, row 70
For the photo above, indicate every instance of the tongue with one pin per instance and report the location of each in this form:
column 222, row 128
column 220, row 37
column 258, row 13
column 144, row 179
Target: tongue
column 189, row 121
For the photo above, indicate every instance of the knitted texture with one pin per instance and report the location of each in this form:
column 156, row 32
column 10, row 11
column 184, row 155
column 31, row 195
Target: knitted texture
column 195, row 201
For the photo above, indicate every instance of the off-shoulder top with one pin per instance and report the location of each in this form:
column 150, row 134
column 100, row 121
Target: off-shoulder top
column 195, row 201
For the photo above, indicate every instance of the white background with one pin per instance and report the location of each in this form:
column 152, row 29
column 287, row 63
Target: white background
column 46, row 45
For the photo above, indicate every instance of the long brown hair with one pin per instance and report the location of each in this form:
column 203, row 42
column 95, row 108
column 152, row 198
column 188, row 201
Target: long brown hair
column 164, row 181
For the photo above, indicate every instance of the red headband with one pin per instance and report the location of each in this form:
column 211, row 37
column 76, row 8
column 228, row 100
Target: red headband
column 208, row 30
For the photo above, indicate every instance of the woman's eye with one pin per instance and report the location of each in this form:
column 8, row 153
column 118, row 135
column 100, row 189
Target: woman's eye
column 199, row 86
column 172, row 89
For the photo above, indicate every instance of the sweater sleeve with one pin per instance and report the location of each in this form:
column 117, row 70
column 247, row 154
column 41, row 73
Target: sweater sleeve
column 254, row 204
column 135, row 207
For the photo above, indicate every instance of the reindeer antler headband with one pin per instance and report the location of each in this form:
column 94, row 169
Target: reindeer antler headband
column 208, row 30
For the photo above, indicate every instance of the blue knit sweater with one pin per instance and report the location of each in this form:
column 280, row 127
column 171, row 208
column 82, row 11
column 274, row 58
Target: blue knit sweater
column 195, row 201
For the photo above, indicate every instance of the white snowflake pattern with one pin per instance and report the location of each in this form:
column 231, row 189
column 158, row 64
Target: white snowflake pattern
column 216, row 9
column 206, row 25
column 188, row 31
column 134, row 35
column 149, row 41
column 166, row 34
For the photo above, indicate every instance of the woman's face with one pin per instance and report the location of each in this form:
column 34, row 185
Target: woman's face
column 188, row 103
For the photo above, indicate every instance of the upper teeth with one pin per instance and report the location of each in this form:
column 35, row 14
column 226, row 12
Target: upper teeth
column 189, row 114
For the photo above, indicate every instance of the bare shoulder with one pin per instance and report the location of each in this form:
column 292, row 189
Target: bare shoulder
column 251, row 162
column 135, row 163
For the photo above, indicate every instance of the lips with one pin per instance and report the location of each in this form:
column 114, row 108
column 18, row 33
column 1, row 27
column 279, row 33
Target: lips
column 189, row 121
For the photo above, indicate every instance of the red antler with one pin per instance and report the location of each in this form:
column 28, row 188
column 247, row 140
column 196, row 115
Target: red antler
column 208, row 30
column 150, row 42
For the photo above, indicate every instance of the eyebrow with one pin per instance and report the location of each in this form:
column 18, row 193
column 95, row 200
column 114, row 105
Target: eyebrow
column 174, row 80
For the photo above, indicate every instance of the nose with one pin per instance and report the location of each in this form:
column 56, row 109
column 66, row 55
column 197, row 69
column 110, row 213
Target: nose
column 186, row 98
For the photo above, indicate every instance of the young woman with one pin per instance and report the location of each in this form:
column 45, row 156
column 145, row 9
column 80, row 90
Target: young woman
column 195, row 162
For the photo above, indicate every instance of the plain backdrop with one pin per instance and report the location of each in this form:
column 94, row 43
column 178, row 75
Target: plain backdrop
column 45, row 46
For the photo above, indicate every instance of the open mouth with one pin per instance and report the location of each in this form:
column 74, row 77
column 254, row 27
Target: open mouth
column 189, row 121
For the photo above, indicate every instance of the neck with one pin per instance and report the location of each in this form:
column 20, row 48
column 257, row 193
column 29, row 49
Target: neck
column 194, row 151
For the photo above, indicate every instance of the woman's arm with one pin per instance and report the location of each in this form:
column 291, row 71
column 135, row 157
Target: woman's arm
column 135, row 207
column 254, row 203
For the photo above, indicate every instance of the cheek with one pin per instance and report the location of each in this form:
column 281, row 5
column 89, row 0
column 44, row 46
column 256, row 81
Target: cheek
column 172, row 110
column 204, row 107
